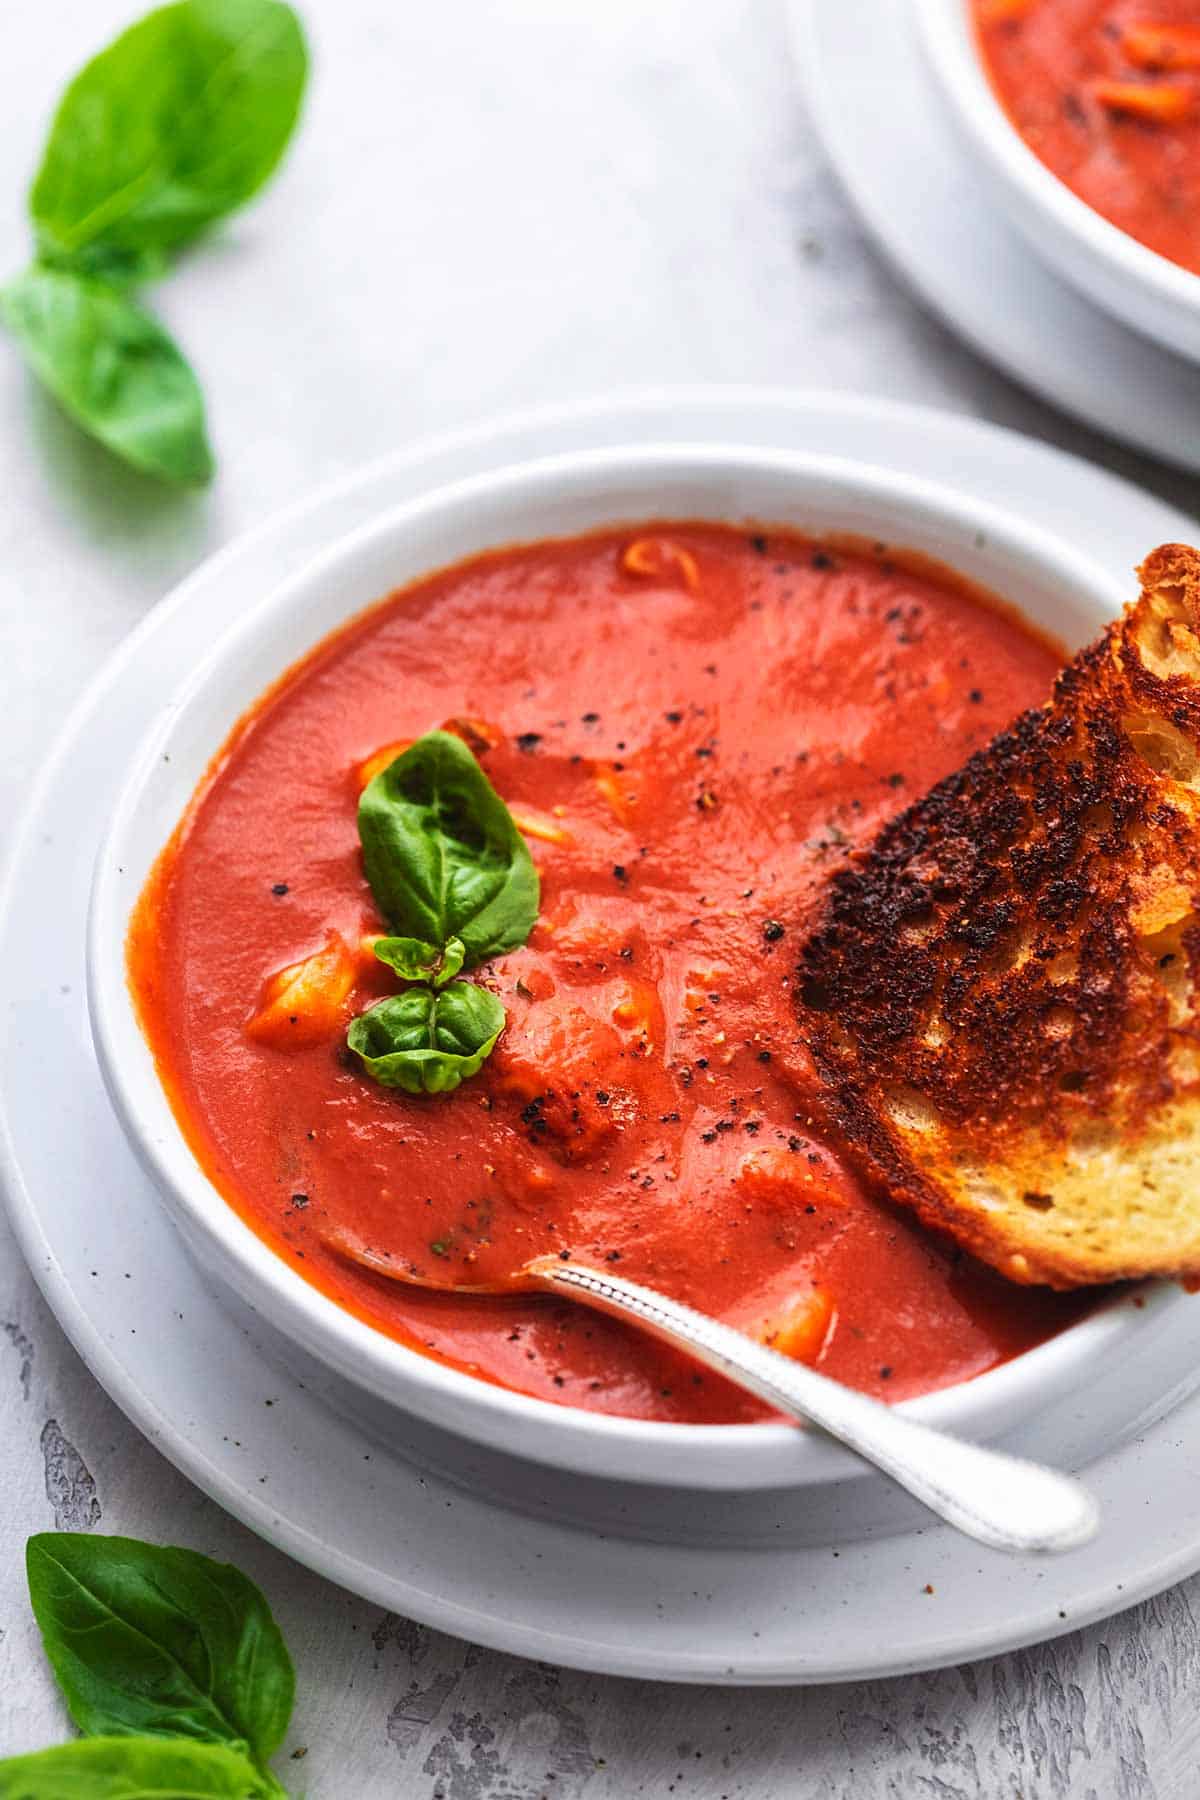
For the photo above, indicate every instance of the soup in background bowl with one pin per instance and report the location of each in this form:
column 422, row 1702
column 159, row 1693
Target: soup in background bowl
column 1106, row 93
column 1082, row 117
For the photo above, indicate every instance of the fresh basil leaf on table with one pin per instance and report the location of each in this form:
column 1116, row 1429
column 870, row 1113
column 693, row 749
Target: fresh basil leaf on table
column 414, row 961
column 132, row 1768
column 442, row 854
column 176, row 123
column 428, row 1040
column 123, row 269
column 113, row 368
column 149, row 1639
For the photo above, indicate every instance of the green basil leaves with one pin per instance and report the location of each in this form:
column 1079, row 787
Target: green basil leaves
column 180, row 120
column 414, row 961
column 428, row 1040
column 152, row 1640
column 171, row 1665
column 442, row 854
column 131, row 1769
column 454, row 879
column 113, row 369
column 173, row 126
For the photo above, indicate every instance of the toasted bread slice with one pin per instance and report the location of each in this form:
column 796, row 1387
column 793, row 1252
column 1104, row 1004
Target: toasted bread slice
column 1001, row 993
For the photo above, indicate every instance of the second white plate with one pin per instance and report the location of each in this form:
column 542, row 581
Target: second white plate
column 883, row 128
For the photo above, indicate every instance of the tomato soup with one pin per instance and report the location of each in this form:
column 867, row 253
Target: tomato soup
column 1107, row 94
column 691, row 725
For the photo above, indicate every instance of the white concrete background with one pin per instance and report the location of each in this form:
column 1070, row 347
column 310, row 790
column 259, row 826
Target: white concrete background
column 490, row 206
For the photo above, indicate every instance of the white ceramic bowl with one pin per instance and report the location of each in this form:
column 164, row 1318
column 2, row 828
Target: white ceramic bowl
column 1143, row 289
column 1058, row 588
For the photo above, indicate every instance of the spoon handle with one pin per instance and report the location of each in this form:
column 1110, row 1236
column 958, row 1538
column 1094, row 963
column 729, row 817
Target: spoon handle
column 1000, row 1500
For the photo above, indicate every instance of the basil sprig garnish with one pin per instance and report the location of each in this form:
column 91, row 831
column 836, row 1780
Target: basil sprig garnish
column 454, row 879
column 442, row 854
column 178, row 122
column 414, row 961
column 428, row 1040
column 171, row 1665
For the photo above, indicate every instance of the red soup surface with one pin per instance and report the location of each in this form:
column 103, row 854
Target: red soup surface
column 1107, row 94
column 691, row 725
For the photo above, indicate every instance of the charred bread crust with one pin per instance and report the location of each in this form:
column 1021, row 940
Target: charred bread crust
column 1000, row 993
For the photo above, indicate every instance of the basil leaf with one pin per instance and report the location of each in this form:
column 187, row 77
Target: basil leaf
column 442, row 854
column 414, row 961
column 113, row 369
column 119, row 268
column 181, row 119
column 130, row 1768
column 147, row 1639
column 428, row 1041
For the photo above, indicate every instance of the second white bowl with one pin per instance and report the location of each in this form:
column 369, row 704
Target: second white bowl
column 1143, row 289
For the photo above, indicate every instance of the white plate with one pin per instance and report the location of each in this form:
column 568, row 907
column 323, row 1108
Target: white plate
column 742, row 1593
column 884, row 129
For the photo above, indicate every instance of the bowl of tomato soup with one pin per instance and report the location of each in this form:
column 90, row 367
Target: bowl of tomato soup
column 1083, row 120
column 696, row 680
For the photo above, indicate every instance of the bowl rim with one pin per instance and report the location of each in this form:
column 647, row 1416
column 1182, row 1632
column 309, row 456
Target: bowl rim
column 771, row 1454
column 945, row 28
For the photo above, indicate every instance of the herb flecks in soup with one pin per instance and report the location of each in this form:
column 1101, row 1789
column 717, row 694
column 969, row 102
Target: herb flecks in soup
column 1107, row 94
column 690, row 726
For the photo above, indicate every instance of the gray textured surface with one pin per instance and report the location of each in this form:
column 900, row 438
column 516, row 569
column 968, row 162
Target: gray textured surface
column 492, row 207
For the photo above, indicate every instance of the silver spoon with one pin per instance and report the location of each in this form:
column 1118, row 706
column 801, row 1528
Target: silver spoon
column 1000, row 1500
